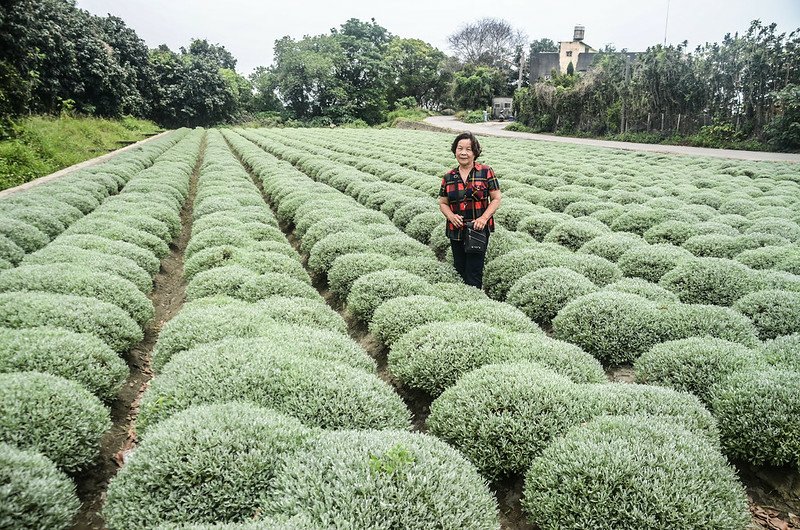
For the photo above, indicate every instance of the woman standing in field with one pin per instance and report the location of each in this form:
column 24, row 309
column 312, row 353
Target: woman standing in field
column 470, row 194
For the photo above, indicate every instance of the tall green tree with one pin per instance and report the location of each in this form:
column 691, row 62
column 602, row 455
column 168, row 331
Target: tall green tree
column 475, row 86
column 418, row 70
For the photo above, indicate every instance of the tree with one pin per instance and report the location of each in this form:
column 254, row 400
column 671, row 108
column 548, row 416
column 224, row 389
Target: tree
column 543, row 45
column 264, row 83
column 420, row 71
column 474, row 86
column 488, row 42
column 214, row 53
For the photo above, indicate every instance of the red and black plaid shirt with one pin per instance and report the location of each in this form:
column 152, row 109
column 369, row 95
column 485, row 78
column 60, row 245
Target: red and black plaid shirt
column 468, row 199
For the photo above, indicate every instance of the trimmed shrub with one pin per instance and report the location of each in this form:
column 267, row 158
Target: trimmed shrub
column 371, row 290
column 421, row 226
column 764, row 257
column 457, row 292
column 693, row 365
column 208, row 464
column 143, row 258
column 10, row 251
column 325, row 227
column 75, row 313
column 682, row 321
column 35, row 495
column 433, row 356
column 773, row 312
column 239, row 282
column 633, row 473
column 400, row 245
column 198, row 324
column 39, row 217
column 612, row 246
column 714, row 246
column 541, row 294
column 215, row 237
column 671, row 232
column 614, row 327
column 119, row 231
column 775, row 226
column 709, row 281
column 783, row 352
column 502, row 273
column 56, row 417
column 74, row 280
column 324, row 253
column 320, row 393
column 380, row 479
column 643, row 288
column 574, row 233
column 397, row 316
column 653, row 261
column 429, row 268
column 540, row 225
column 757, row 413
column 93, row 260
column 783, row 281
column 502, row 416
column 24, row 235
column 348, row 268
column 261, row 257
column 80, row 357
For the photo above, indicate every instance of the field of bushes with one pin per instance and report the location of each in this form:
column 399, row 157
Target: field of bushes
column 328, row 369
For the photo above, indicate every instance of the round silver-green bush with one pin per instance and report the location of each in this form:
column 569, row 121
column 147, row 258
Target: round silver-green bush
column 709, row 281
column 75, row 280
column 75, row 313
column 612, row 246
column 199, row 323
column 371, row 290
column 614, row 327
column 10, row 251
column 574, row 233
column 79, row 357
column 429, row 268
column 382, row 479
column 714, row 245
column 400, row 245
column 502, row 273
column 54, row 416
column 682, row 321
column 348, row 268
column 626, row 473
column 93, row 260
column 541, row 294
column 775, row 226
column 35, row 495
column 651, row 262
column 783, row 352
column 120, row 231
column 433, row 356
column 397, row 316
column 671, row 232
column 246, row 285
column 502, row 416
column 208, row 464
column 757, row 413
column 539, row 225
column 422, row 225
column 143, row 258
column 773, row 312
column 457, row 292
column 642, row 288
column 24, row 235
column 329, row 248
column 323, row 393
column 693, row 365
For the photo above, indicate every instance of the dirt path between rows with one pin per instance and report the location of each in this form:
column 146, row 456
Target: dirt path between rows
column 167, row 297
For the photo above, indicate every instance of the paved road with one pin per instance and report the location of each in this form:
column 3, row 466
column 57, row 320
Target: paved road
column 494, row 128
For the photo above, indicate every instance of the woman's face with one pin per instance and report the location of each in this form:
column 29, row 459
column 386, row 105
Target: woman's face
column 464, row 153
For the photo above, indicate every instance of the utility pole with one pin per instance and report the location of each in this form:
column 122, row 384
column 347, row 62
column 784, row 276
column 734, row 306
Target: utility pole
column 521, row 65
column 666, row 23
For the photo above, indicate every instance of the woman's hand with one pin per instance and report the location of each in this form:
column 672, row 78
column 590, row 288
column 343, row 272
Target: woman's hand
column 457, row 220
column 479, row 223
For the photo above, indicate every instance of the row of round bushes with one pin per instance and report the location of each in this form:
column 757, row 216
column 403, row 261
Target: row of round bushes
column 730, row 509
column 68, row 310
column 31, row 218
column 752, row 392
column 317, row 375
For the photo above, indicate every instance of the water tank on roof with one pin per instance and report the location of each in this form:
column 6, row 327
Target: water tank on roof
column 579, row 32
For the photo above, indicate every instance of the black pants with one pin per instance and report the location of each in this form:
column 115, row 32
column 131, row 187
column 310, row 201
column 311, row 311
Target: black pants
column 468, row 266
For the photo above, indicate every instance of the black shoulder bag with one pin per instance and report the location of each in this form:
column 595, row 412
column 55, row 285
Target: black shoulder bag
column 475, row 241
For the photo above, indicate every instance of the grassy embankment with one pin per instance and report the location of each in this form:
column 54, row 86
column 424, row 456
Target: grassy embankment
column 46, row 144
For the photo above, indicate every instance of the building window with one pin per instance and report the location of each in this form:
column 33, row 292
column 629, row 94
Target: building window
column 507, row 105
column 569, row 54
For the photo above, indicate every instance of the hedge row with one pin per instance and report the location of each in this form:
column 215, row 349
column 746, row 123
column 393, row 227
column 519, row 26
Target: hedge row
column 31, row 218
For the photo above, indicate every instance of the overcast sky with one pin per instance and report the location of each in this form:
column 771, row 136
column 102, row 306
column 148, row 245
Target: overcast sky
column 248, row 29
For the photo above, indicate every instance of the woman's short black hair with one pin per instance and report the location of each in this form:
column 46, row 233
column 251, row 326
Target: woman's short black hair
column 476, row 146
